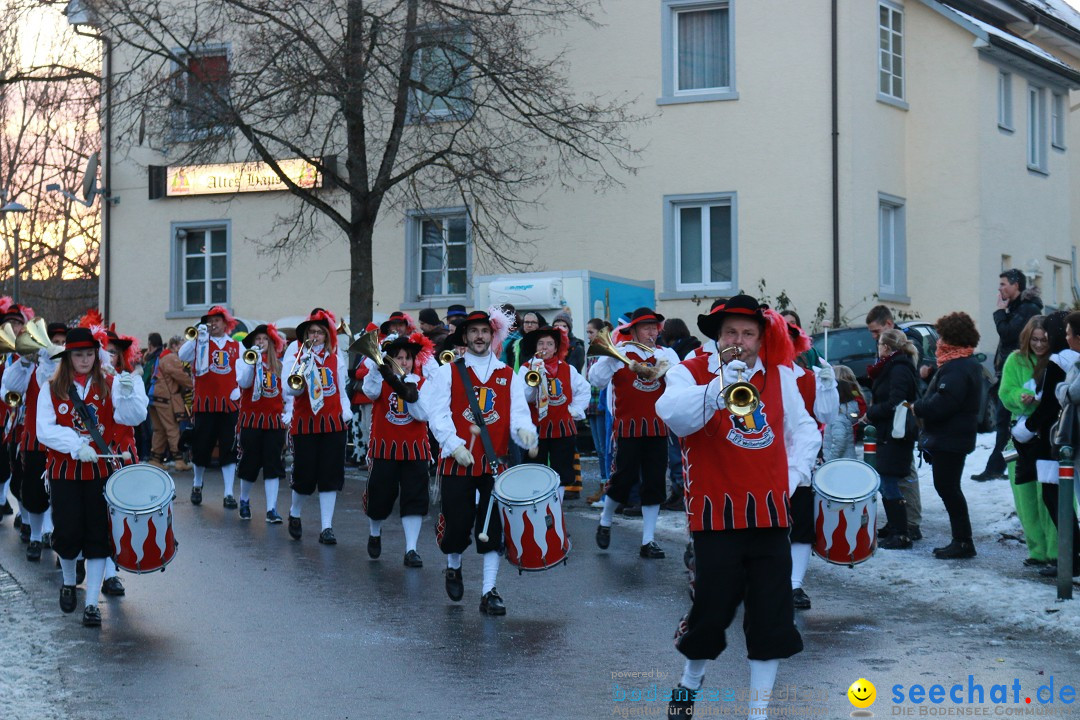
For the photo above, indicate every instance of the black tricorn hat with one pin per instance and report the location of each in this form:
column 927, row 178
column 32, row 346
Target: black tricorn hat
column 737, row 306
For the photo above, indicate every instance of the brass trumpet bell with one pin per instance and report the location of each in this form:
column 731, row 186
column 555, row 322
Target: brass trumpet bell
column 191, row 333
column 368, row 346
column 295, row 381
column 13, row 399
column 7, row 338
column 602, row 346
column 343, row 328
column 33, row 338
column 740, row 397
column 533, row 378
column 252, row 356
column 447, row 356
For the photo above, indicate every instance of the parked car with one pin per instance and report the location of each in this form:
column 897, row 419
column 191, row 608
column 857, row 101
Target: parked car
column 856, row 348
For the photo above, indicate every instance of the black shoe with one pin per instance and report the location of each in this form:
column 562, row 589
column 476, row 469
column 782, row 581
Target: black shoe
column 896, row 542
column 295, row 529
column 572, row 495
column 91, row 616
column 914, row 532
column 272, row 517
column 987, row 475
column 374, row 546
column 112, row 586
column 455, row 587
column 1051, row 571
column 884, row 531
column 412, row 560
column 492, row 603
column 681, row 704
column 67, row 598
column 632, row 511
column 229, row 502
column 1032, row 562
column 46, row 539
column 196, row 496
column 33, row 551
column 80, row 571
column 326, row 537
column 652, row 551
column 619, row 509
column 956, row 550
column 24, row 533
column 245, row 510
column 18, row 521
column 603, row 537
column 673, row 503
column 799, row 599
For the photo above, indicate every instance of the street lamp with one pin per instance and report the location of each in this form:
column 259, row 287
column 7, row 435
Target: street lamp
column 14, row 207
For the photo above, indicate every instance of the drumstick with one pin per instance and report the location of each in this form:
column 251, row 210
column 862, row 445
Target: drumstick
column 483, row 536
column 122, row 456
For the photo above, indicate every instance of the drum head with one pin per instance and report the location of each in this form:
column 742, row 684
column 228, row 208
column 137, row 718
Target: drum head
column 526, row 484
column 139, row 487
column 846, row 479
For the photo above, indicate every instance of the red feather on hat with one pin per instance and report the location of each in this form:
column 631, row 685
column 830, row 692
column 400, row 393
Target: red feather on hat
column 132, row 354
column 100, row 334
column 91, row 319
column 27, row 312
column 564, row 344
column 427, row 351
column 5, row 304
column 500, row 322
column 230, row 321
column 777, row 348
column 327, row 317
column 275, row 338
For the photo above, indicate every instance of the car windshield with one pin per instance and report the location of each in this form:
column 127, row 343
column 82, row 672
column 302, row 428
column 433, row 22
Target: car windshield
column 850, row 342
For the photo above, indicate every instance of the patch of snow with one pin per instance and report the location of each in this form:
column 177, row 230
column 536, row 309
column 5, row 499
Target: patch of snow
column 30, row 685
column 1010, row 38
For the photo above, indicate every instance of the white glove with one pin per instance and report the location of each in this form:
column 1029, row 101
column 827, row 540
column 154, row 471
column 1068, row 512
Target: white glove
column 235, row 394
column 462, row 456
column 732, row 370
column 826, row 376
column 527, row 437
column 126, row 384
column 85, row 453
column 1020, row 432
column 576, row 414
column 203, row 333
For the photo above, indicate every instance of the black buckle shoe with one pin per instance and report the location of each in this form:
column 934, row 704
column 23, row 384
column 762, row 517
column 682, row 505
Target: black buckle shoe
column 652, row 551
column 196, row 496
column 374, row 546
column 455, row 587
column 295, row 529
column 603, row 537
column 80, row 571
column 91, row 616
column 956, row 550
column 681, row 704
column 326, row 537
column 799, row 599
column 113, row 586
column 492, row 603
column 914, row 532
column 33, row 551
column 412, row 560
column 987, row 475
column 229, row 502
column 67, row 598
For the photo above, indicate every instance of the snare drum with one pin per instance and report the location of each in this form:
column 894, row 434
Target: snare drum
column 140, row 518
column 845, row 511
column 532, row 517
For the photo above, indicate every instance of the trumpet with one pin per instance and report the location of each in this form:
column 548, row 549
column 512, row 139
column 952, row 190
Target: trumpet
column 13, row 399
column 296, row 379
column 447, row 356
column 368, row 346
column 534, row 377
column 253, row 355
column 191, row 333
column 602, row 346
column 35, row 337
column 740, row 397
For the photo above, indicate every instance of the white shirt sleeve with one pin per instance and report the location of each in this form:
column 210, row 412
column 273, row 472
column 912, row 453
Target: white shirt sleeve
column 435, row 397
column 245, row 374
column 801, row 437
column 602, row 371
column 530, row 392
column 49, row 433
column 17, row 377
column 826, row 404
column 520, row 415
column 186, row 353
column 684, row 405
column 582, row 392
column 343, row 378
column 373, row 381
column 286, row 413
column 129, row 409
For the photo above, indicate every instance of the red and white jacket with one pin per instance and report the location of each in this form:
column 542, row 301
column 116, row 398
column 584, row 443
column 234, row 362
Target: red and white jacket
column 739, row 472
column 26, row 377
column 634, row 399
column 213, row 390
column 399, row 430
column 266, row 413
column 336, row 411
column 568, row 398
column 61, row 430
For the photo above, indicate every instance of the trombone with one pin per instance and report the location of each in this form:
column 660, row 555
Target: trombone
column 740, row 397
column 368, row 346
column 296, row 379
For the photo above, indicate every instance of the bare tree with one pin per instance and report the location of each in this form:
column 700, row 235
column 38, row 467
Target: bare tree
column 423, row 103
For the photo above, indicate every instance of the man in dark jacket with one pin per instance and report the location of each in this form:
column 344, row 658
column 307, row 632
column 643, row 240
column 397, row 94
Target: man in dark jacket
column 432, row 327
column 1015, row 308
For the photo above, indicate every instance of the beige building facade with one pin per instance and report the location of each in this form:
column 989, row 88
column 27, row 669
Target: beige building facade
column 956, row 157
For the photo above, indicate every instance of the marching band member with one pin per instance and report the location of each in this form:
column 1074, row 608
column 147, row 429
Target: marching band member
column 79, row 392
column 16, row 316
column 401, row 324
column 319, row 416
column 468, row 471
column 740, row 473
column 261, row 422
column 214, row 356
column 640, row 435
column 557, row 402
column 398, row 446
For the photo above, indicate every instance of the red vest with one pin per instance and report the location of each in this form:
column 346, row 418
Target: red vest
column 736, row 470
column 28, row 440
column 264, row 413
column 494, row 400
column 395, row 434
column 305, row 422
column 635, row 400
column 558, row 422
column 61, row 466
column 808, row 389
column 212, row 390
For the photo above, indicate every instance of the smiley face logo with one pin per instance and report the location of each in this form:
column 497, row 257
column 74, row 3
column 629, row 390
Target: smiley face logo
column 862, row 693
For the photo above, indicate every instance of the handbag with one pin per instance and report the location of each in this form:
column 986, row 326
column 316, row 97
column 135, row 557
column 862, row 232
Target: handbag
column 904, row 426
column 1063, row 431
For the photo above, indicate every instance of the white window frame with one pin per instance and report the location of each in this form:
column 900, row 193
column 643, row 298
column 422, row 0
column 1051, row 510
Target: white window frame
column 1037, row 129
column 414, row 114
column 890, row 97
column 892, row 243
column 674, row 287
column 414, row 220
column 180, row 124
column 1005, row 100
column 669, row 43
column 1058, row 114
column 179, row 307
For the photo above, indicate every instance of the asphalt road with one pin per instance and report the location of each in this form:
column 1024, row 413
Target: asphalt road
column 247, row 623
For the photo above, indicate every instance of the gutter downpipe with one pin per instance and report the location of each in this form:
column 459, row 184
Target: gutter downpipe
column 835, row 171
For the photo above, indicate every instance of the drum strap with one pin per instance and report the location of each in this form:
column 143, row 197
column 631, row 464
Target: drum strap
column 88, row 420
column 478, row 418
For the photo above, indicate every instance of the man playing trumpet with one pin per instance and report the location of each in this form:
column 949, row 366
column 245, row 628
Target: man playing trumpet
column 635, row 372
